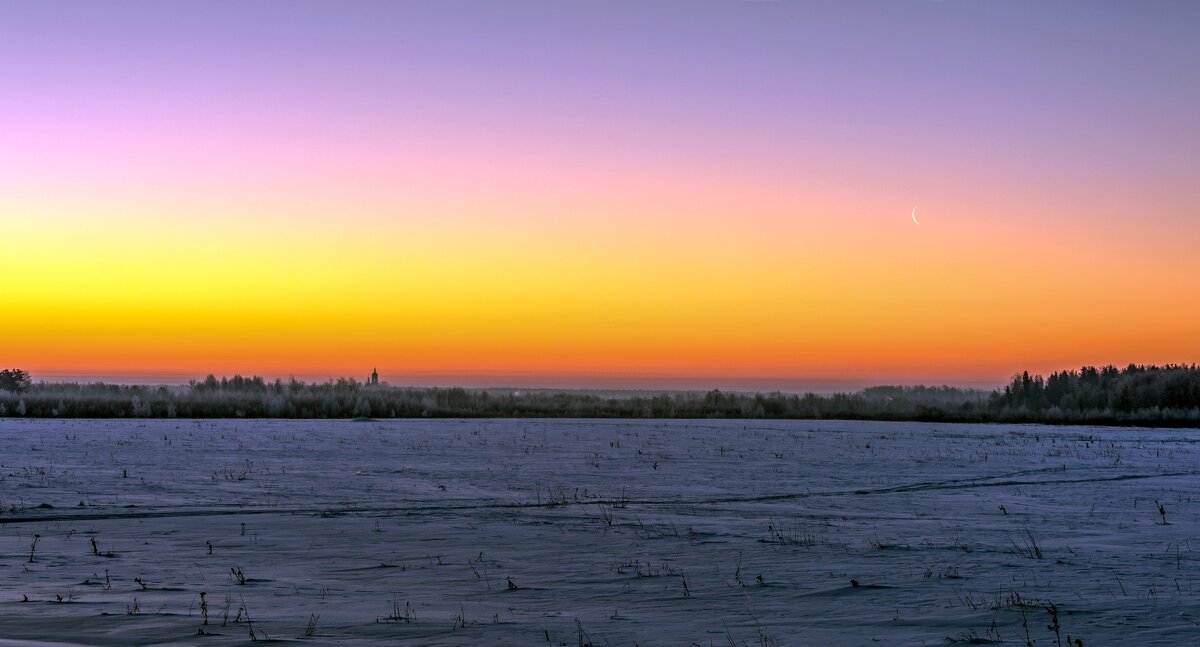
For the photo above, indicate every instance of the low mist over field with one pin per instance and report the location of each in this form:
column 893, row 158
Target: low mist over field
column 1149, row 395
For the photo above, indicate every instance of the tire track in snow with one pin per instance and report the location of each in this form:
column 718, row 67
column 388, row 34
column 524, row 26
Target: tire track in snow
column 426, row 509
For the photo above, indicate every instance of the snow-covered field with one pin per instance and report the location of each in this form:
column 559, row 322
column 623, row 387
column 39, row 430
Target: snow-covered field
column 519, row 532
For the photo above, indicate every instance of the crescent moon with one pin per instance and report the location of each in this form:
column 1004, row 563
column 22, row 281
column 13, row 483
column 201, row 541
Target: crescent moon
column 914, row 216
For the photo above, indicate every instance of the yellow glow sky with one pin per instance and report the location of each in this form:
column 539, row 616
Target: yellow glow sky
column 319, row 196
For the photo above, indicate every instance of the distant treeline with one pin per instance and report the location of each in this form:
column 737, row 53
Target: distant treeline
column 1142, row 395
column 1135, row 395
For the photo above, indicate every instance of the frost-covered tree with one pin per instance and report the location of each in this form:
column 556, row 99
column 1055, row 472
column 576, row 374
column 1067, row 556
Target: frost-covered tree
column 14, row 380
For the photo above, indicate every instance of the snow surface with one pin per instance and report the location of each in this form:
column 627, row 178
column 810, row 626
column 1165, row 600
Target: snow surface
column 409, row 531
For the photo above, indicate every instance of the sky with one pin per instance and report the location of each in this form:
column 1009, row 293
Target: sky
column 598, row 193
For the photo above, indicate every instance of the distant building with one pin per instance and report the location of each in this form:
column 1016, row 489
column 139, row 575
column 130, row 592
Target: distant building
column 374, row 379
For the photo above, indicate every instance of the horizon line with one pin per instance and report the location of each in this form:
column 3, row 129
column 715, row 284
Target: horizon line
column 576, row 382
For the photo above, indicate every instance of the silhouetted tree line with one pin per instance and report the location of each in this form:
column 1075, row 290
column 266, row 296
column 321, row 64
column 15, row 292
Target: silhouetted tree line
column 1145, row 395
column 1135, row 394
